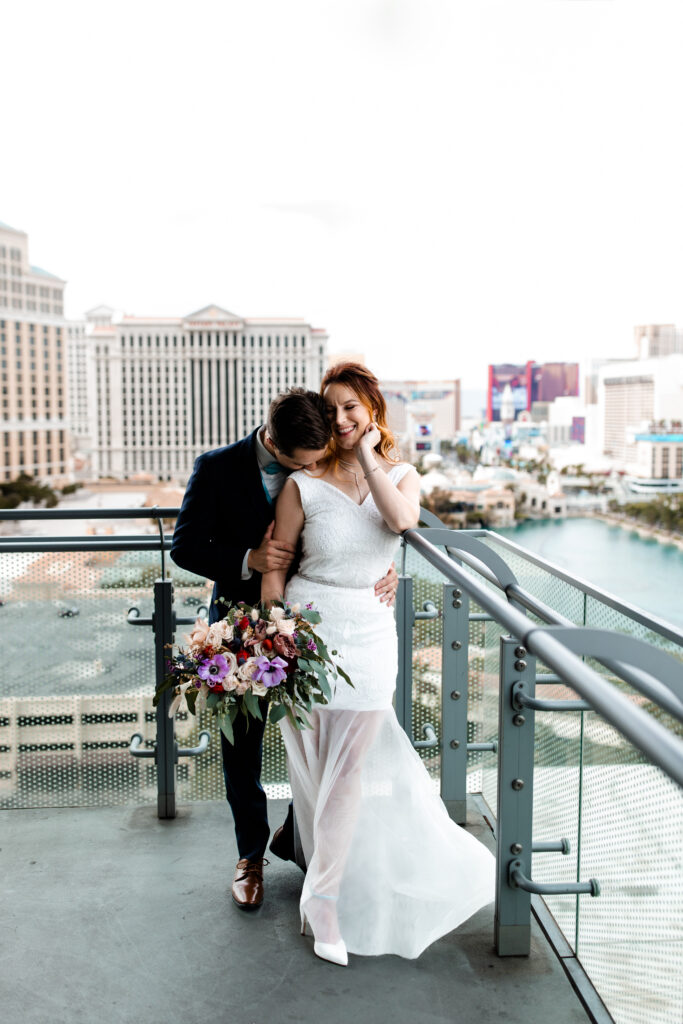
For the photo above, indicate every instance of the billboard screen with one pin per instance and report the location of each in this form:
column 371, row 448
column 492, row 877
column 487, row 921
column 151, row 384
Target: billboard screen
column 577, row 430
column 554, row 380
column 499, row 377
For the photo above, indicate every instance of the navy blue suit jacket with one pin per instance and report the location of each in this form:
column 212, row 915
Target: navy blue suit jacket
column 225, row 511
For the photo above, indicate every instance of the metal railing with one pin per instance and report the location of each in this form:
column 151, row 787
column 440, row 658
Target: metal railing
column 658, row 677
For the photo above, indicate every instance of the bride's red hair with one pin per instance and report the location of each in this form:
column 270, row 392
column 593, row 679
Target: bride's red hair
column 365, row 386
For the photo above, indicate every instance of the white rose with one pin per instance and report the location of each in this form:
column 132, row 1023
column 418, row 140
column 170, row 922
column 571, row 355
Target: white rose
column 218, row 633
column 246, row 671
column 258, row 688
column 276, row 613
column 232, row 666
column 286, row 626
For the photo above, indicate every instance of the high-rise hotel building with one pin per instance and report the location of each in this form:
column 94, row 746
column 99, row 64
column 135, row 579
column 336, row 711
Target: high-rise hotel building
column 633, row 394
column 166, row 389
column 34, row 436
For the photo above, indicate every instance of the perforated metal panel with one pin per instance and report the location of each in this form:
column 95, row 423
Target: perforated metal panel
column 630, row 939
column 75, row 679
column 427, row 667
column 76, row 682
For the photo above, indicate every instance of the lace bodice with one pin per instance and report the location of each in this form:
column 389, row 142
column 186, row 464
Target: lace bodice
column 343, row 543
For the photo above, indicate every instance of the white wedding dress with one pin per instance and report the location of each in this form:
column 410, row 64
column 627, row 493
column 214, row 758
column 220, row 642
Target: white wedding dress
column 380, row 847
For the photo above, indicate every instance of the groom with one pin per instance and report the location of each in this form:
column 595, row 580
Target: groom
column 224, row 532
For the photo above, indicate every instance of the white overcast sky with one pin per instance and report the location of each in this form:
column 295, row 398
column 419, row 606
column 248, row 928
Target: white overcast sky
column 439, row 183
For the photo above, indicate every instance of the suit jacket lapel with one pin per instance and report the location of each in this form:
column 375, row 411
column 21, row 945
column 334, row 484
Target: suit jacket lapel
column 254, row 481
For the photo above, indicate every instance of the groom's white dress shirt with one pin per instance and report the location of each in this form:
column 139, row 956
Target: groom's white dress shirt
column 272, row 483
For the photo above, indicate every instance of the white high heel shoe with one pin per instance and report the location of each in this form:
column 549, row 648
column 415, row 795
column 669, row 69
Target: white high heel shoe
column 335, row 952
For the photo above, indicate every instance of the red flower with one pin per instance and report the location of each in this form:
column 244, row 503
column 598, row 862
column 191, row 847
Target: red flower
column 218, row 688
column 241, row 656
column 243, row 623
column 267, row 644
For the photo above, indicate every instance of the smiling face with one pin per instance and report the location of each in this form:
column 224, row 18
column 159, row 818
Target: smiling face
column 348, row 416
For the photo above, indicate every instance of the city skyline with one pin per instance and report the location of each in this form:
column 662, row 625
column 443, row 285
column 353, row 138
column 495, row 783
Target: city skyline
column 474, row 182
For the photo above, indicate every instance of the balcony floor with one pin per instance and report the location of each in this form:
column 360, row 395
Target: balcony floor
column 111, row 915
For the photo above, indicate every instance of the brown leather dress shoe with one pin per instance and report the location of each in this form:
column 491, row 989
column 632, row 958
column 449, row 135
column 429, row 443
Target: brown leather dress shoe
column 247, row 885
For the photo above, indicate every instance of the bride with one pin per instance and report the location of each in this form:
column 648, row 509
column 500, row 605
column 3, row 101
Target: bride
column 388, row 871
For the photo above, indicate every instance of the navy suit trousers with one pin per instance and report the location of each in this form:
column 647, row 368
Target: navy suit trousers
column 247, row 799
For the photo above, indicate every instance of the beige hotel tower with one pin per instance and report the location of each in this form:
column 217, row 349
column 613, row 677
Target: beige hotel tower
column 34, row 435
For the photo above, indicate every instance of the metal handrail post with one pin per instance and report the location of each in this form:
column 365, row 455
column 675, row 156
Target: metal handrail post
column 163, row 625
column 512, row 930
column 454, row 701
column 405, row 619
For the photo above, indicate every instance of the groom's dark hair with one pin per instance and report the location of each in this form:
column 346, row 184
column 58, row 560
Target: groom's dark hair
column 297, row 419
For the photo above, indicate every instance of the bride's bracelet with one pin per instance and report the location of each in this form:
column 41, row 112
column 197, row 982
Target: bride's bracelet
column 366, row 475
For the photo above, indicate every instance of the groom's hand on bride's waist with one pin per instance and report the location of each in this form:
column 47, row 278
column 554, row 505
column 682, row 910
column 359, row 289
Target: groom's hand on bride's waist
column 271, row 554
column 386, row 587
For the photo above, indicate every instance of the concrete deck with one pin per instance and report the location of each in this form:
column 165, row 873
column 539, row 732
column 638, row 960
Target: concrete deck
column 112, row 916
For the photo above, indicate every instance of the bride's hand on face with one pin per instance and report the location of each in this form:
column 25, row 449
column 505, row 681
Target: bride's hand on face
column 370, row 437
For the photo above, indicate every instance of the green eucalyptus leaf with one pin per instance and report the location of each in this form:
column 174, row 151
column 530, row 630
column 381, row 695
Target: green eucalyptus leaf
column 226, row 728
column 343, row 674
column 251, row 701
column 291, row 715
column 310, row 615
column 277, row 712
column 322, row 680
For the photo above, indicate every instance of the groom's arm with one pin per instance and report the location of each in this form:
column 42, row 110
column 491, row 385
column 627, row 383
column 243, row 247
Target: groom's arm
column 386, row 588
column 200, row 542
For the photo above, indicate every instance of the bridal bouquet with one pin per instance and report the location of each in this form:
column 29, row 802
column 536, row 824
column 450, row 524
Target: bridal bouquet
column 253, row 655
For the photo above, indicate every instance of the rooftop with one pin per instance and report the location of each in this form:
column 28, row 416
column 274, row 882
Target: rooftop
column 44, row 273
column 145, row 930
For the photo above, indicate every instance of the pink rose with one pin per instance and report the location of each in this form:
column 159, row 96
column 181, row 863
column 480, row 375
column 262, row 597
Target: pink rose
column 219, row 633
column 197, row 638
column 284, row 645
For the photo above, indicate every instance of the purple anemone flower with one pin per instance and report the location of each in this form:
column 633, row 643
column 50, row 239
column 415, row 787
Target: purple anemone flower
column 213, row 670
column 270, row 671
